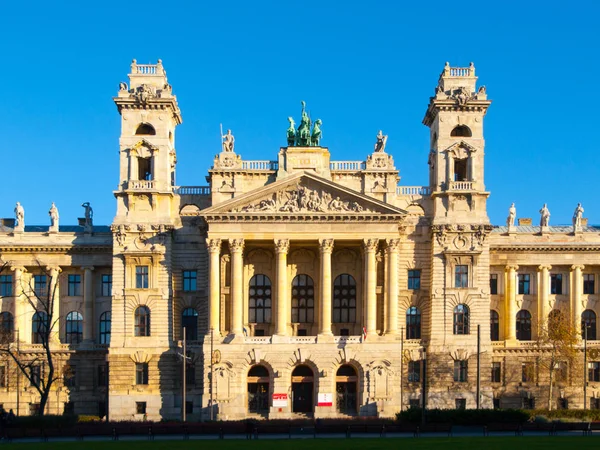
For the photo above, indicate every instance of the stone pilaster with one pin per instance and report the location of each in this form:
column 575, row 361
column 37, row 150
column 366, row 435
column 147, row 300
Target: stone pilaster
column 576, row 291
column 370, row 249
column 54, row 298
column 510, row 303
column 214, row 284
column 88, row 304
column 543, row 293
column 282, row 246
column 325, row 247
column 236, row 247
column 20, row 304
column 392, row 250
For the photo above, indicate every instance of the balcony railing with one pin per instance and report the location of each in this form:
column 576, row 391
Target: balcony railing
column 460, row 186
column 257, row 339
column 347, row 166
column 260, row 165
column 413, row 190
column 192, row 190
column 347, row 339
column 141, row 184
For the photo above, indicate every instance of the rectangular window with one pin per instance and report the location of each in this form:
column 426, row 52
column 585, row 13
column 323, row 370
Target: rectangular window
column 140, row 407
column 102, row 375
column 524, row 284
column 594, row 403
column 189, row 407
column 594, row 371
column 494, row 284
column 496, row 372
column 527, row 372
column 460, row 370
column 414, row 279
column 460, row 403
column 414, row 371
column 106, row 285
column 3, row 376
column 588, row 283
column 461, row 276
column 74, row 289
column 190, row 375
column 69, row 373
column 6, row 285
column 35, row 373
column 189, row 280
column 556, row 286
column 496, row 403
column 40, row 285
column 561, row 372
column 141, row 373
column 141, row 277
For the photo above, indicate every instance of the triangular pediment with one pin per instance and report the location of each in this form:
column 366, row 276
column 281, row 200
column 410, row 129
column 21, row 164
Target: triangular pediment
column 460, row 147
column 303, row 193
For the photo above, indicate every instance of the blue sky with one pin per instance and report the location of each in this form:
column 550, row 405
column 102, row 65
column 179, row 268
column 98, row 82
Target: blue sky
column 360, row 66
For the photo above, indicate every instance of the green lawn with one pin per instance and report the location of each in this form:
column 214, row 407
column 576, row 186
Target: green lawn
column 466, row 443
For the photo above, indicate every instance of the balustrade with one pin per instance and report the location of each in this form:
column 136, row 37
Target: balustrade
column 461, row 186
column 192, row 190
column 347, row 166
column 260, row 165
column 413, row 190
column 141, row 184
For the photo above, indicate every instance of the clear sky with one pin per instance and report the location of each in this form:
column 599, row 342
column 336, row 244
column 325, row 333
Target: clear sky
column 360, row 66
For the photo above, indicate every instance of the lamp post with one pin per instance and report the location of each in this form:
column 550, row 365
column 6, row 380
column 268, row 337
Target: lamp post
column 401, row 367
column 212, row 359
column 478, row 400
column 184, row 359
column 585, row 330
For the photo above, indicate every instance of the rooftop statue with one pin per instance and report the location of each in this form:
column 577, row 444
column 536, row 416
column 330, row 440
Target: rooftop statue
column 53, row 213
column 228, row 142
column 304, row 137
column 577, row 215
column 381, row 142
column 512, row 214
column 20, row 216
column 545, row 216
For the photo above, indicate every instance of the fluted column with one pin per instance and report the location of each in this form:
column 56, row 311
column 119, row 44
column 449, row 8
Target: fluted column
column 214, row 284
column 510, row 303
column 576, row 291
column 543, row 292
column 326, row 247
column 20, row 304
column 370, row 248
column 282, row 247
column 88, row 303
column 54, row 298
column 392, row 250
column 236, row 247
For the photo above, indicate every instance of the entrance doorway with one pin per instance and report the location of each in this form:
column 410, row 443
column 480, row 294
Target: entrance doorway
column 302, row 390
column 258, row 390
column 346, row 382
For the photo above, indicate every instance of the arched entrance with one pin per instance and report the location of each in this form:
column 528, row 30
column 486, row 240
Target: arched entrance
column 346, row 382
column 258, row 390
column 302, row 389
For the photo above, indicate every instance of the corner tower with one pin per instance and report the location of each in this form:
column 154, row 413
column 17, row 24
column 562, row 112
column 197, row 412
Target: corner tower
column 149, row 116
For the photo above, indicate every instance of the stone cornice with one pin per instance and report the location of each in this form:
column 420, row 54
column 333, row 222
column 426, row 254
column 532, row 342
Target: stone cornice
column 56, row 248
column 547, row 247
column 281, row 218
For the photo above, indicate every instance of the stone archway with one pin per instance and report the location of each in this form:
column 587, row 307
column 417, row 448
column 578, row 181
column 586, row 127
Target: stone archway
column 346, row 388
column 258, row 390
column 303, row 392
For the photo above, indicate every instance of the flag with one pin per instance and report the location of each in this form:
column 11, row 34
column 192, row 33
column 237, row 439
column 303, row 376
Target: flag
column 245, row 332
column 364, row 334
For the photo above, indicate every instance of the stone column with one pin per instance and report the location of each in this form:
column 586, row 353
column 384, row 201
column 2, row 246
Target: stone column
column 370, row 248
column 510, row 303
column 88, row 304
column 20, row 304
column 576, row 291
column 214, row 285
column 236, row 247
column 282, row 246
column 54, row 298
column 393, row 246
column 543, row 292
column 326, row 247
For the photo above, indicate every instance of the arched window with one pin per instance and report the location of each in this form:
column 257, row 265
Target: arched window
column 461, row 131
column 303, row 299
column 145, row 129
column 413, row 323
column 74, row 328
column 346, row 389
column 588, row 320
column 7, row 327
column 105, row 328
column 523, row 325
column 494, row 325
column 259, row 372
column 258, row 389
column 461, row 319
column 344, row 299
column 189, row 321
column 259, row 299
column 142, row 321
column 39, row 327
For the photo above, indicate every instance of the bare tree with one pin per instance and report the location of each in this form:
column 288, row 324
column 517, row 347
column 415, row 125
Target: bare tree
column 37, row 364
column 556, row 345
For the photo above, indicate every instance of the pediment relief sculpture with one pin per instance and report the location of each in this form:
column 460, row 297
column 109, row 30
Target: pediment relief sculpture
column 461, row 237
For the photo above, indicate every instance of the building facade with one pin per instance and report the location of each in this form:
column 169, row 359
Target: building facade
column 305, row 285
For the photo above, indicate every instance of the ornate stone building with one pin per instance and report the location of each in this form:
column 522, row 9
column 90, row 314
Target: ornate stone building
column 305, row 285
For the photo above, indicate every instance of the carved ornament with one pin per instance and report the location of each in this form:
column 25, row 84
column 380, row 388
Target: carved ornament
column 282, row 245
column 326, row 245
column 370, row 245
column 461, row 237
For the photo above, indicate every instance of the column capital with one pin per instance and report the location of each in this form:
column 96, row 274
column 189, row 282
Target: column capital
column 577, row 267
column 282, row 245
column 213, row 245
column 370, row 245
column 236, row 245
column 53, row 270
column 543, row 267
column 392, row 245
column 326, row 245
column 21, row 268
column 88, row 268
column 510, row 267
